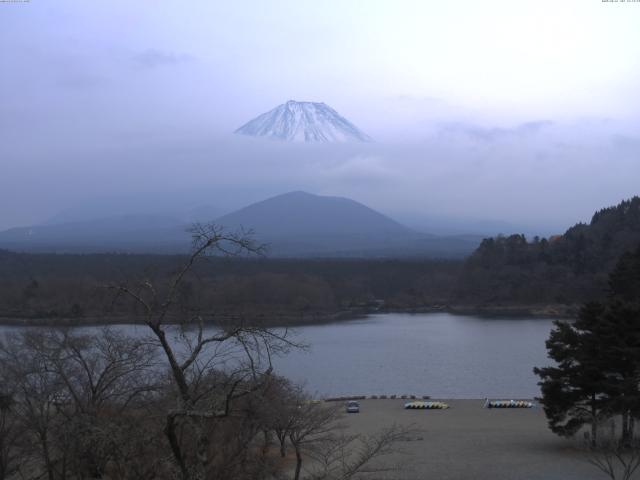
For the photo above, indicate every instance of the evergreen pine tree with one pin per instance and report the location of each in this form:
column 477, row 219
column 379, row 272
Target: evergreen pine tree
column 597, row 372
column 574, row 393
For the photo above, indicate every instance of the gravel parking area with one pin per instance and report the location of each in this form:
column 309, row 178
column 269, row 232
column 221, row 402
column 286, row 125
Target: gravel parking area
column 467, row 441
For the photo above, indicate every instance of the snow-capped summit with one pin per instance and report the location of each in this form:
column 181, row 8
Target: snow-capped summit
column 303, row 122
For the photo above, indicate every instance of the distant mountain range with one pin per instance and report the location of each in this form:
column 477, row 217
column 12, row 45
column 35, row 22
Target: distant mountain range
column 303, row 122
column 126, row 233
column 295, row 224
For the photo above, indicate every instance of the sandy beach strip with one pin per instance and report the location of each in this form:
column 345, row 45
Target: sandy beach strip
column 468, row 441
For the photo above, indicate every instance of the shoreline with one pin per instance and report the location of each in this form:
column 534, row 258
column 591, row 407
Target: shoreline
column 288, row 319
column 397, row 400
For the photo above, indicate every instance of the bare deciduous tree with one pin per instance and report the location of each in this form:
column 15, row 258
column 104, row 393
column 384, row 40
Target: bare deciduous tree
column 189, row 400
column 194, row 356
column 344, row 457
column 37, row 392
column 312, row 425
column 614, row 457
column 317, row 435
column 10, row 434
column 70, row 394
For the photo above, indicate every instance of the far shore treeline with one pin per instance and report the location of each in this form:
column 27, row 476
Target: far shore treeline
column 507, row 274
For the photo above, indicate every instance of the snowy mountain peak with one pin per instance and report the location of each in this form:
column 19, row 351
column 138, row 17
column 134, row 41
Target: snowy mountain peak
column 303, row 122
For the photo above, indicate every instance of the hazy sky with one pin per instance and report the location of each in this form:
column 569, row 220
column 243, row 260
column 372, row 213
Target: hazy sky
column 523, row 111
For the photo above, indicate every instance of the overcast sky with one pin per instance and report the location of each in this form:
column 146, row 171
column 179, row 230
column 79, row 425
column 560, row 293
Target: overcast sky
column 522, row 111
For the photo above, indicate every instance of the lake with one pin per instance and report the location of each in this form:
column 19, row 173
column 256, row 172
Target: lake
column 436, row 354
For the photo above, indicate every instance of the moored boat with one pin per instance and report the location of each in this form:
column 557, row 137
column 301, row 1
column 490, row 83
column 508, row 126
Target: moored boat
column 425, row 405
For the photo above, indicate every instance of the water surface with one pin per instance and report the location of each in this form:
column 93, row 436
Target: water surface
column 436, row 354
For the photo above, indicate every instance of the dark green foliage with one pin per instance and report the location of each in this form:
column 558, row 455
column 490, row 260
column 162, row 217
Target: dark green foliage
column 620, row 349
column 597, row 372
column 566, row 269
column 71, row 287
column 624, row 281
column 573, row 391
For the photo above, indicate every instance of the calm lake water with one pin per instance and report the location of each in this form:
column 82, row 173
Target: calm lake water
column 437, row 354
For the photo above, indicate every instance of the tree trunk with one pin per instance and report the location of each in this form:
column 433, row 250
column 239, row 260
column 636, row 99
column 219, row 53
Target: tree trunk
column 298, row 463
column 267, row 442
column 170, row 432
column 178, row 374
column 625, row 427
column 185, row 402
column 47, row 457
column 594, row 423
column 202, row 446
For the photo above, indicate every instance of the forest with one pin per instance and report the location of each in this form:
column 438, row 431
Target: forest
column 506, row 274
column 564, row 269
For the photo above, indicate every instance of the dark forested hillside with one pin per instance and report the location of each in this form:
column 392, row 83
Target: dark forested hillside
column 564, row 269
column 505, row 274
column 50, row 286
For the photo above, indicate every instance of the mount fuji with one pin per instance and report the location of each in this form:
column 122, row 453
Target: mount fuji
column 303, row 122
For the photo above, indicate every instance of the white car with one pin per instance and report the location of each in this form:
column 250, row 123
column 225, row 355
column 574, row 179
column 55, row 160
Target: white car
column 353, row 406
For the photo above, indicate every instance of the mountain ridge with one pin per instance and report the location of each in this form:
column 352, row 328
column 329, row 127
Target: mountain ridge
column 294, row 224
column 297, row 208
